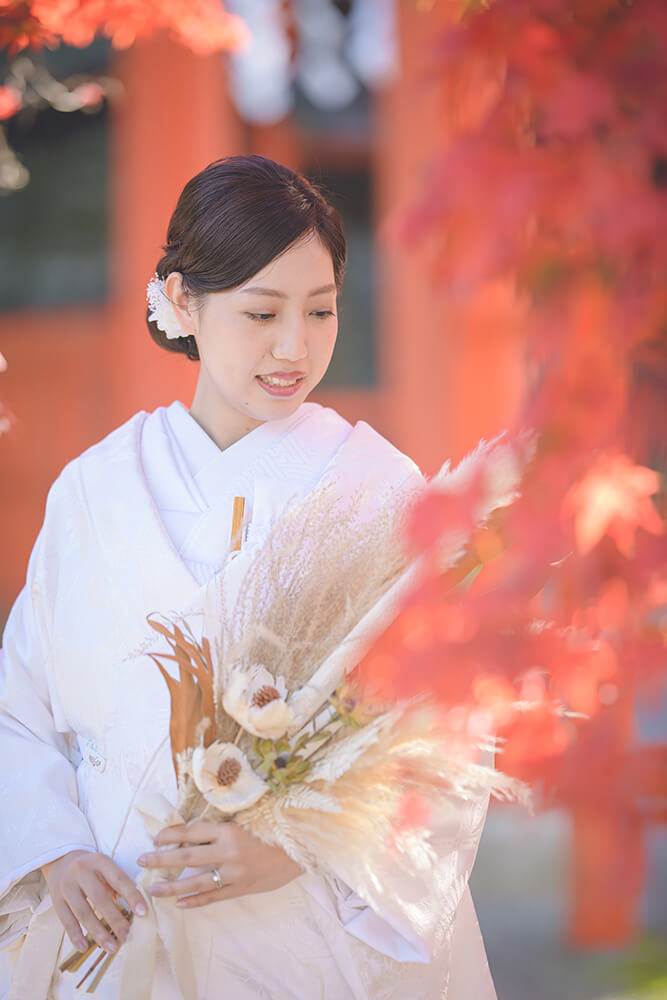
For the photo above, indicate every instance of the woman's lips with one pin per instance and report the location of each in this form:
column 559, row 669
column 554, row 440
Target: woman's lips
column 283, row 384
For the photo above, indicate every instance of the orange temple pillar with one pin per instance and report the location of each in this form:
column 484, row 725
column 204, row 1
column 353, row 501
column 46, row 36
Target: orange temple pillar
column 175, row 119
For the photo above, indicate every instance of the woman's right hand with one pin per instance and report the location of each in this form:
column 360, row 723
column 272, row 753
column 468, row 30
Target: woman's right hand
column 84, row 887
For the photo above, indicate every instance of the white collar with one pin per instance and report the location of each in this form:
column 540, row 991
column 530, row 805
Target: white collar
column 212, row 468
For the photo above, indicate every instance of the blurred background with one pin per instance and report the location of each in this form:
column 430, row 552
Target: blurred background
column 342, row 92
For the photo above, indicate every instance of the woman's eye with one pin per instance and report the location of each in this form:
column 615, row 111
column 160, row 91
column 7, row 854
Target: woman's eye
column 265, row 317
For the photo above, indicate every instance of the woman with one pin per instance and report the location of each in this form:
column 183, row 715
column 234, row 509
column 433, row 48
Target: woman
column 140, row 523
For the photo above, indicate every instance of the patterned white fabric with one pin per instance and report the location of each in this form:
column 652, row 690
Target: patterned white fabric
column 130, row 529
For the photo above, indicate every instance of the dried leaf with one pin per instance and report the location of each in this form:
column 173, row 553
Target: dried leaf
column 191, row 692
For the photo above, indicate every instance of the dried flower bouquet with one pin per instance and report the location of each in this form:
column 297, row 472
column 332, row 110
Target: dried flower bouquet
column 268, row 724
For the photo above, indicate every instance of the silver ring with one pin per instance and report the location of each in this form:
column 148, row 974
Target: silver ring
column 217, row 878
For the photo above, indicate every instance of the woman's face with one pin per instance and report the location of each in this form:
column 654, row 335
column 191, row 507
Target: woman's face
column 265, row 345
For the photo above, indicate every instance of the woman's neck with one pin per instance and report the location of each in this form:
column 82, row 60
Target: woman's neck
column 222, row 422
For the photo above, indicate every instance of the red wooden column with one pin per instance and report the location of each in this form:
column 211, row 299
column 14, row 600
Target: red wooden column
column 446, row 384
column 174, row 119
column 609, row 866
column 54, row 385
column 413, row 349
column 280, row 142
column 607, row 878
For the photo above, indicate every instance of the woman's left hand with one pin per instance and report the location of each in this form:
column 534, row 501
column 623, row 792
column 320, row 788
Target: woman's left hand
column 246, row 864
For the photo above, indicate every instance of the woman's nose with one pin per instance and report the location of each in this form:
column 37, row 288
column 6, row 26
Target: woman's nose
column 291, row 344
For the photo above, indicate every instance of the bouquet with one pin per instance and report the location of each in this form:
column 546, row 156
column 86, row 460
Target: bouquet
column 271, row 724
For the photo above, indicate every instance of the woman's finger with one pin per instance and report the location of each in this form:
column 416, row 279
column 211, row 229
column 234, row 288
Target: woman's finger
column 185, row 857
column 211, row 896
column 121, row 883
column 101, row 899
column 70, row 923
column 185, row 886
column 83, row 912
column 200, row 831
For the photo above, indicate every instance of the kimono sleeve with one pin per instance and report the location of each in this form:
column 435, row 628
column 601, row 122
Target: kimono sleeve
column 41, row 819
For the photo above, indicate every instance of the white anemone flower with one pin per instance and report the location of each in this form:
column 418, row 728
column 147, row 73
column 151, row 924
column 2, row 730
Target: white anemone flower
column 225, row 778
column 258, row 702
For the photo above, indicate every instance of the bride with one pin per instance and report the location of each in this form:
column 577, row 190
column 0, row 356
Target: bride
column 142, row 522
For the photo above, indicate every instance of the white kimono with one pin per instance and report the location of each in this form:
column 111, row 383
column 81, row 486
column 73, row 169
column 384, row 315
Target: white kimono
column 141, row 523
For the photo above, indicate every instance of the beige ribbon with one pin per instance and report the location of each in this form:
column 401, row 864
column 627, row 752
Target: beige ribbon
column 163, row 927
column 36, row 963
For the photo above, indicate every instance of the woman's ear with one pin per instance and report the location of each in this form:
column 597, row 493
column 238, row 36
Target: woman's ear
column 182, row 302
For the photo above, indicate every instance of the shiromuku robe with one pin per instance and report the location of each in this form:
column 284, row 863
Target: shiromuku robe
column 140, row 523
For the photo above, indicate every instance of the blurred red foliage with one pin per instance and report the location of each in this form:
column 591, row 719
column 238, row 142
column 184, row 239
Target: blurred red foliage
column 552, row 183
column 10, row 102
column 202, row 25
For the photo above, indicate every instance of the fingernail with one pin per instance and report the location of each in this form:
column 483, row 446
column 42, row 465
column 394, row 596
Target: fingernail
column 181, row 902
column 140, row 910
column 81, row 944
column 111, row 945
column 142, row 860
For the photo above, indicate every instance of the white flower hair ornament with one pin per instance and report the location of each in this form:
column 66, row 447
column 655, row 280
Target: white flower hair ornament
column 162, row 310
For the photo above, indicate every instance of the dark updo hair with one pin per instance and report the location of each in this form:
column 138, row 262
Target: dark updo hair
column 232, row 219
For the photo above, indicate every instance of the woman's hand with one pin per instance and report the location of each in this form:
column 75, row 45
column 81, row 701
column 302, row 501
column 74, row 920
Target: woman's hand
column 84, row 887
column 246, row 864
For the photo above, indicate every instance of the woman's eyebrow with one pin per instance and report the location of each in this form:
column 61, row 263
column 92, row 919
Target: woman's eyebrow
column 256, row 290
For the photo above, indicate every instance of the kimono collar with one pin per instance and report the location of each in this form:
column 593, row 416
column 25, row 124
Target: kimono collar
column 210, row 468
